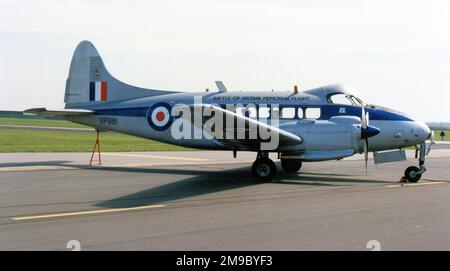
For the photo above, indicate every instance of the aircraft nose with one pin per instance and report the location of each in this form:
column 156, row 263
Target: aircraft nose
column 423, row 131
column 428, row 131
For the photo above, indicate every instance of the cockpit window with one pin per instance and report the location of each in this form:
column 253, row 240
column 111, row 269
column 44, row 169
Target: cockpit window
column 359, row 101
column 340, row 98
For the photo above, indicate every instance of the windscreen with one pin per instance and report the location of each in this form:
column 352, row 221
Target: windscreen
column 341, row 98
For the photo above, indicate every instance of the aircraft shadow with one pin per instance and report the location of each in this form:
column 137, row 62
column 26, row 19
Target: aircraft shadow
column 208, row 182
column 305, row 178
column 202, row 182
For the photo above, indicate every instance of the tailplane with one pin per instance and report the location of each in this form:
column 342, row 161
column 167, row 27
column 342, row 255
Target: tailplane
column 89, row 82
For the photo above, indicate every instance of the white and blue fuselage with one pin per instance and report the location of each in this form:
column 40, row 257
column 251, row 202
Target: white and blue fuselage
column 322, row 124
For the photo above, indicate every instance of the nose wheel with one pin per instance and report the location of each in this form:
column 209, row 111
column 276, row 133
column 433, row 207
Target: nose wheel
column 413, row 173
column 264, row 169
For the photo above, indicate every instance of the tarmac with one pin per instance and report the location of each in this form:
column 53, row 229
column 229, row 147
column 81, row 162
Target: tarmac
column 204, row 200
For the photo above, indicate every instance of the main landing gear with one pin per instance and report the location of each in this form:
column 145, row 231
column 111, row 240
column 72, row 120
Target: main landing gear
column 291, row 165
column 413, row 173
column 264, row 169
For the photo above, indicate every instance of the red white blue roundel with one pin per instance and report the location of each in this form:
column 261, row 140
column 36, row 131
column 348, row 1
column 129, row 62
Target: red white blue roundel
column 158, row 116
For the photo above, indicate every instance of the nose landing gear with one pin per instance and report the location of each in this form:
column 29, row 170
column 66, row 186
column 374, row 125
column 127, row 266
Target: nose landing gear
column 413, row 173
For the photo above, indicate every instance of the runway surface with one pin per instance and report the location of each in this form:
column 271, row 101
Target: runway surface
column 208, row 201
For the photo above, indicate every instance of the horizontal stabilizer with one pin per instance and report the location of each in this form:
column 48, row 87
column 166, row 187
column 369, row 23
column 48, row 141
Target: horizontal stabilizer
column 60, row 112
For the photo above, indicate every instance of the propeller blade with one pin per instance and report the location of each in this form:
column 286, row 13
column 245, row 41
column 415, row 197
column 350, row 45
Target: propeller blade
column 364, row 123
column 431, row 142
column 366, row 152
column 366, row 132
column 367, row 119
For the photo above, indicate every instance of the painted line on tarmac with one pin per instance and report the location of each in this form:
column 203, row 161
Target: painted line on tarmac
column 127, row 165
column 416, row 184
column 32, row 168
column 88, row 212
column 156, row 156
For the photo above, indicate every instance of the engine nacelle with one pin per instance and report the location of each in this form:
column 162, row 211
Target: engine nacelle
column 338, row 133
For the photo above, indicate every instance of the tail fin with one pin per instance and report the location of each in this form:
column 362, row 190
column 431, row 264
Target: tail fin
column 89, row 82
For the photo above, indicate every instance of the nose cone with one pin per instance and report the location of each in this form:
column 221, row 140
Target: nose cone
column 421, row 131
column 426, row 131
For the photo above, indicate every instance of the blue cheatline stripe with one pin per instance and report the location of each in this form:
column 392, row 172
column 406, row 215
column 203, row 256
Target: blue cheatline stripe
column 126, row 112
column 91, row 91
column 328, row 111
column 331, row 110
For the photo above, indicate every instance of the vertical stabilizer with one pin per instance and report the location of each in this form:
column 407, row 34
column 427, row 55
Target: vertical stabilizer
column 89, row 82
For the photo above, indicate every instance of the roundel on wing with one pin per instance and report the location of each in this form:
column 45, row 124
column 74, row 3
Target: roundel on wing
column 158, row 116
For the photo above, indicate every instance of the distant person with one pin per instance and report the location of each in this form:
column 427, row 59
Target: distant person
column 442, row 135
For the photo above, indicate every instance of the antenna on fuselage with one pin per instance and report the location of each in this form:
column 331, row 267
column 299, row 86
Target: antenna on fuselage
column 295, row 89
column 221, row 86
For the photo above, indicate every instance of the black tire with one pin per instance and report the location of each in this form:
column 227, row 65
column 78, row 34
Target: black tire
column 264, row 169
column 413, row 174
column 291, row 165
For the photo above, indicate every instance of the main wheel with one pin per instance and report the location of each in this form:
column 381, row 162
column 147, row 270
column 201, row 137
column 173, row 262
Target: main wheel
column 264, row 169
column 413, row 174
column 291, row 165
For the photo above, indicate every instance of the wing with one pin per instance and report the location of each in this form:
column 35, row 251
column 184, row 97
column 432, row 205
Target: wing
column 245, row 127
column 60, row 112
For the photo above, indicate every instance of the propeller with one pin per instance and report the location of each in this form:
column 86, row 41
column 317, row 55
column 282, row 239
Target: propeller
column 364, row 126
column 366, row 132
column 431, row 142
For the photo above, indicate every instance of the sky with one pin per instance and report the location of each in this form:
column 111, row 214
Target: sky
column 396, row 53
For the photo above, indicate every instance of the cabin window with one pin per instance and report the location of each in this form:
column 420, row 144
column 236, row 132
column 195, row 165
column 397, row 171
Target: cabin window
column 249, row 112
column 264, row 112
column 275, row 112
column 240, row 111
column 288, row 112
column 312, row 113
column 300, row 113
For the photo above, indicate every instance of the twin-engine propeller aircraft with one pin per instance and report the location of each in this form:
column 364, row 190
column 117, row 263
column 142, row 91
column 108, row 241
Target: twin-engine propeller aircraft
column 325, row 123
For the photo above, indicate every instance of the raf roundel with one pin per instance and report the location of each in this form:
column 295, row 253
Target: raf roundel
column 158, row 116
